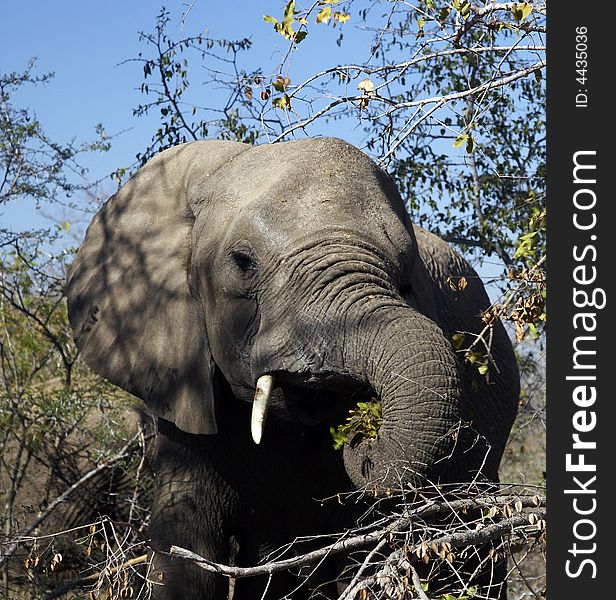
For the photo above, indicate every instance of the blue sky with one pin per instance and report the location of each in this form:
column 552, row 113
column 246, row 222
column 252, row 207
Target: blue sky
column 85, row 44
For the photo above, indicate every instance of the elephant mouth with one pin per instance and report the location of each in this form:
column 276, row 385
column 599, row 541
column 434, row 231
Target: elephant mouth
column 309, row 399
column 313, row 406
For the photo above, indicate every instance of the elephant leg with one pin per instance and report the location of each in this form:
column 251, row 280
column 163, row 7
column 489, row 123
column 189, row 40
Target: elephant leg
column 179, row 579
column 259, row 547
column 175, row 579
column 253, row 550
column 192, row 508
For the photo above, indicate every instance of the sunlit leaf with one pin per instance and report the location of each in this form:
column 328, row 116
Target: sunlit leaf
column 366, row 86
column 324, row 15
column 460, row 140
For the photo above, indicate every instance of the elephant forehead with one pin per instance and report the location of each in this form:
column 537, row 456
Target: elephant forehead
column 279, row 226
column 287, row 224
column 321, row 170
column 275, row 194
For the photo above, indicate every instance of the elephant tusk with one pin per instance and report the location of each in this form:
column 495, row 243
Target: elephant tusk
column 265, row 383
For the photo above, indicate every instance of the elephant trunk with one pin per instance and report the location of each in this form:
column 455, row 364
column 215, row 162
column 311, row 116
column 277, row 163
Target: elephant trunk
column 412, row 369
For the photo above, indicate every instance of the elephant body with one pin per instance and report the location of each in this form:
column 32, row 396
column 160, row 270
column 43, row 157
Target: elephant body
column 221, row 267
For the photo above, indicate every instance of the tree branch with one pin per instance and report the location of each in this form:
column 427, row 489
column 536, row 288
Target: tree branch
column 123, row 453
column 456, row 539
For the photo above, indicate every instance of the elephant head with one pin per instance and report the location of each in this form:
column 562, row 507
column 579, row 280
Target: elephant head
column 292, row 269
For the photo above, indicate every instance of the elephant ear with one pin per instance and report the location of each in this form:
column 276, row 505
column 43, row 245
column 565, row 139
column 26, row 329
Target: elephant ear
column 446, row 288
column 133, row 317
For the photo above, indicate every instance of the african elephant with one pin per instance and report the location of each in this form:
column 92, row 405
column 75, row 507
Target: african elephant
column 293, row 269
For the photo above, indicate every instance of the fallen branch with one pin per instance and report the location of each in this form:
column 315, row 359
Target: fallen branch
column 457, row 539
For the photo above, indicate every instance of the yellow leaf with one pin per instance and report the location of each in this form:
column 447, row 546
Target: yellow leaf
column 520, row 332
column 521, row 11
column 289, row 9
column 460, row 140
column 341, row 17
column 366, row 86
column 324, row 15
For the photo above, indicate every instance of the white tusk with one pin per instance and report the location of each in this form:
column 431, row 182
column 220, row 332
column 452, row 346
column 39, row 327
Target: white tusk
column 265, row 383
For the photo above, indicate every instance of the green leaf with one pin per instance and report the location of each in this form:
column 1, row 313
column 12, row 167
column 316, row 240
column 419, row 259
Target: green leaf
column 365, row 420
column 457, row 340
column 462, row 6
column 444, row 13
column 521, row 11
column 299, row 36
column 283, row 102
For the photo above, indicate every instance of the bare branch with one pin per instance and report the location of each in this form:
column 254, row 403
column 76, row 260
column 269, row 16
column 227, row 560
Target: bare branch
column 123, row 453
column 439, row 100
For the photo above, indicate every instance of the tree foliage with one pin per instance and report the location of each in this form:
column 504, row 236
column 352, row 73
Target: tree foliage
column 61, row 427
column 33, row 167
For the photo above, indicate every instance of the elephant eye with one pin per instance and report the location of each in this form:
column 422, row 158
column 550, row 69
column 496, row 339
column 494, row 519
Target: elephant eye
column 245, row 261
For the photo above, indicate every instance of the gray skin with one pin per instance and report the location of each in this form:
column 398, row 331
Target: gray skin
column 220, row 262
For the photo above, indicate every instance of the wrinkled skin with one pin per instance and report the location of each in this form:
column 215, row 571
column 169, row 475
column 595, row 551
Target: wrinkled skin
column 219, row 263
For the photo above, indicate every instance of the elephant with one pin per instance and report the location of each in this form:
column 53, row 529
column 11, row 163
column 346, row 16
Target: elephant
column 251, row 296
